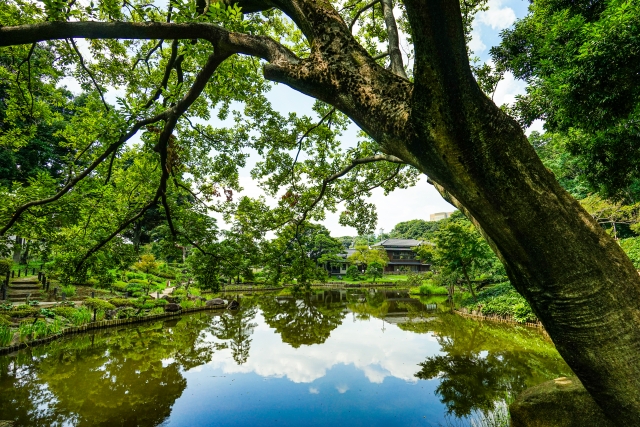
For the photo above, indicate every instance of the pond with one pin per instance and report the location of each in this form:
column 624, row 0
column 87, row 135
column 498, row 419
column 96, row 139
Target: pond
column 355, row 358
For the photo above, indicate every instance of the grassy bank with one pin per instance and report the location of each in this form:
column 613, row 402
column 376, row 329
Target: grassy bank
column 501, row 300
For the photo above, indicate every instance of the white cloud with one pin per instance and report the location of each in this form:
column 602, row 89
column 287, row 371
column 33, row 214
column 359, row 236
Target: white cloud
column 342, row 389
column 497, row 17
column 476, row 45
column 362, row 344
column 508, row 88
column 314, row 390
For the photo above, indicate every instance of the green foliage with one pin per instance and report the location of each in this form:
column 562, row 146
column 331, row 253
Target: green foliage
column 40, row 329
column 69, row 290
column 122, row 302
column 502, row 300
column 430, row 289
column 66, row 312
column 187, row 304
column 581, row 60
column 81, row 316
column 98, row 304
column 364, row 255
column 23, row 311
column 352, row 273
column 131, row 275
column 5, row 267
column 119, row 286
column 6, row 335
column 631, row 246
column 375, row 270
column 417, row 229
column 147, row 263
column 180, row 292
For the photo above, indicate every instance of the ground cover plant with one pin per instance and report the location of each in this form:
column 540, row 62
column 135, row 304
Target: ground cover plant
column 501, row 300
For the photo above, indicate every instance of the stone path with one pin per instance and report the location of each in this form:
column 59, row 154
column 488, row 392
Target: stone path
column 167, row 291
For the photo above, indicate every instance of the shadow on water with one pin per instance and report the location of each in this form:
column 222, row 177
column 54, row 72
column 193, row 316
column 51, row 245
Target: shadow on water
column 137, row 375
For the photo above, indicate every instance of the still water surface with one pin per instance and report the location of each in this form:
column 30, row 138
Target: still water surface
column 329, row 358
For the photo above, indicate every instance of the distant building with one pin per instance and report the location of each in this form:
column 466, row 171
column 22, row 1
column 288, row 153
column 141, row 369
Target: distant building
column 439, row 215
column 340, row 268
column 401, row 255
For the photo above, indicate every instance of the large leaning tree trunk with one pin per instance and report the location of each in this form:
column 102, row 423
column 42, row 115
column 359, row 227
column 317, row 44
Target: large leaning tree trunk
column 578, row 281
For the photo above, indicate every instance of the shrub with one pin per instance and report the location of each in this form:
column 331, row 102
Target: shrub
column 187, row 304
column 131, row 275
column 98, row 304
column 430, row 289
column 25, row 311
column 502, row 300
column 119, row 286
column 81, row 316
column 195, row 291
column 179, row 292
column 122, row 302
column 160, row 302
column 5, row 267
column 69, row 290
column 47, row 313
column 92, row 282
column 138, row 282
column 157, row 310
column 352, row 273
column 127, row 313
column 66, row 312
column 6, row 335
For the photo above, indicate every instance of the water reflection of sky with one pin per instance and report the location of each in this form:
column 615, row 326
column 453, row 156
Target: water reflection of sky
column 361, row 375
column 363, row 345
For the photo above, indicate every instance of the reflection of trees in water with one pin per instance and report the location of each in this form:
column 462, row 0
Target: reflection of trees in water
column 306, row 319
column 236, row 329
column 485, row 363
column 112, row 378
column 384, row 303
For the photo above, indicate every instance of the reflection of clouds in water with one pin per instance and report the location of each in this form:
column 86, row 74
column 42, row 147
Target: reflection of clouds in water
column 342, row 389
column 394, row 353
column 314, row 390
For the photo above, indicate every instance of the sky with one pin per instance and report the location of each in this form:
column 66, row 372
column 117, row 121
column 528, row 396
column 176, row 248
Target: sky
column 420, row 201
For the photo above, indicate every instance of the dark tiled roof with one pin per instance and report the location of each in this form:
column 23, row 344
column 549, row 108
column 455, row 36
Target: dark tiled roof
column 396, row 243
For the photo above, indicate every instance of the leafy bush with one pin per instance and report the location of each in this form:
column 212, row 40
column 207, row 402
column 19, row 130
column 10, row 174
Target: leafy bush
column 138, row 282
column 122, row 302
column 632, row 248
column 352, row 273
column 187, row 304
column 430, row 289
column 23, row 311
column 502, row 300
column 132, row 276
column 164, row 274
column 160, row 302
column 157, row 310
column 92, row 282
column 98, row 304
column 127, row 313
column 81, row 316
column 34, row 303
column 195, row 291
column 39, row 329
column 69, row 290
column 6, row 335
column 5, row 267
column 119, row 286
column 5, row 320
column 66, row 312
column 47, row 313
column 179, row 292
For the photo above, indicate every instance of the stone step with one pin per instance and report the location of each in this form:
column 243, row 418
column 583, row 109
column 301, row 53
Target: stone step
column 25, row 286
column 12, row 292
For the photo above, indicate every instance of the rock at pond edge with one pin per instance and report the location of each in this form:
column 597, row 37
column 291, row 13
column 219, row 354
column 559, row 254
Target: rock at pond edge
column 562, row 402
column 214, row 302
column 172, row 307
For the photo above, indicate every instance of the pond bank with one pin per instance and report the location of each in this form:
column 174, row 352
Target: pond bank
column 103, row 324
column 464, row 312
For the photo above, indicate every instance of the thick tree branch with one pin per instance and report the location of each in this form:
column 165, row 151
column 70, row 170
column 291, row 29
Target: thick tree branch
column 259, row 46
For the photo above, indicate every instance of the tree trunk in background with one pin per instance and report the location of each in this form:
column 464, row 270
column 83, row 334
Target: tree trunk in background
column 17, row 250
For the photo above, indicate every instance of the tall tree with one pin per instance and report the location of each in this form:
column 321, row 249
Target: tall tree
column 438, row 121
